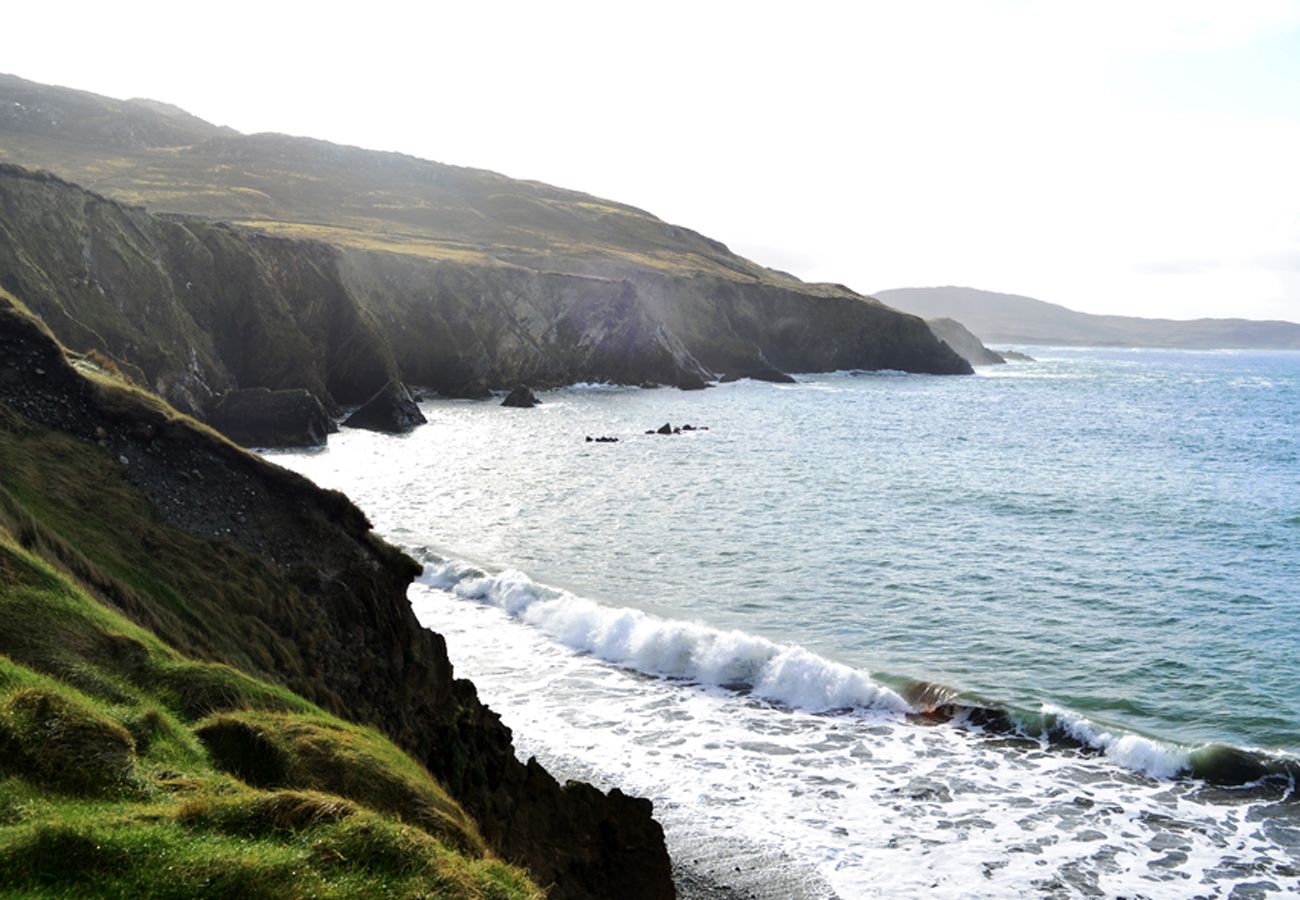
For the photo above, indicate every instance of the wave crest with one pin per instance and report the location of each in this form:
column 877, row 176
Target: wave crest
column 785, row 674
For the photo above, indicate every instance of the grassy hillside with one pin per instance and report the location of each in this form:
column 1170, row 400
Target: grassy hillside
column 232, row 651
column 303, row 188
column 130, row 769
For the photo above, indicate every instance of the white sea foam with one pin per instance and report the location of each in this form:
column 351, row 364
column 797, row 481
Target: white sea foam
column 782, row 673
column 784, row 803
column 595, row 386
column 1132, row 751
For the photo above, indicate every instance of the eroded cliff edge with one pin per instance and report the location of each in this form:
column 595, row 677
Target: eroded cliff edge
column 196, row 308
column 228, row 558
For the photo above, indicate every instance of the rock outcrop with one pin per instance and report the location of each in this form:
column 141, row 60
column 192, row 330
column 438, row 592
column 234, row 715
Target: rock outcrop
column 234, row 560
column 521, row 397
column 775, row 376
column 392, row 410
column 967, row 346
column 260, row 417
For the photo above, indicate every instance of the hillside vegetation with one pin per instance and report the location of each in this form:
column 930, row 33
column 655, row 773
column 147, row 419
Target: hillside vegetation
column 210, row 664
column 304, row 188
column 130, row 769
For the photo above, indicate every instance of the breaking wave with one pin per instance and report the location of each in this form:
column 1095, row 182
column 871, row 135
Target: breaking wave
column 781, row 673
column 792, row 676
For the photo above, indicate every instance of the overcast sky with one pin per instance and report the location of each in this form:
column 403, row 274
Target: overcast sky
column 1130, row 157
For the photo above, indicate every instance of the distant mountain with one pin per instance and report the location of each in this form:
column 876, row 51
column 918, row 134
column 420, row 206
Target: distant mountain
column 1012, row 319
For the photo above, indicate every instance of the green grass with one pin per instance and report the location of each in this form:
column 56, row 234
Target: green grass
column 368, row 200
column 124, row 772
column 129, row 769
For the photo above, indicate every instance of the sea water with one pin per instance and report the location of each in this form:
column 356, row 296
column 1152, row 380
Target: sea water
column 788, row 629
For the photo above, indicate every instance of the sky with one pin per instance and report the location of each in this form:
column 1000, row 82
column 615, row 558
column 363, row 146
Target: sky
column 1140, row 158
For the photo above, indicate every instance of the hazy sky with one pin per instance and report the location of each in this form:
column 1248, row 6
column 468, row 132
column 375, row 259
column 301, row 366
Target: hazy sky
column 1131, row 157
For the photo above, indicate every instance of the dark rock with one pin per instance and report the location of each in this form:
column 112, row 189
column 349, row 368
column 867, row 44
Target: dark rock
column 966, row 345
column 392, row 410
column 1015, row 356
column 260, row 417
column 776, row 376
column 665, row 429
column 521, row 398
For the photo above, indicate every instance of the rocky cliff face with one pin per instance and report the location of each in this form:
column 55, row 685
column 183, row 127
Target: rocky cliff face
column 458, row 279
column 465, row 328
column 192, row 309
column 967, row 346
column 195, row 309
column 230, row 559
column 734, row 326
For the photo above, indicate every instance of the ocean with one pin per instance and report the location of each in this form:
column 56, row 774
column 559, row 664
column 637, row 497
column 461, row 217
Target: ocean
column 1034, row 632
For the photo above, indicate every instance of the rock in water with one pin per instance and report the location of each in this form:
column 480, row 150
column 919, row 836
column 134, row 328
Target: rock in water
column 665, row 428
column 776, row 376
column 261, row 417
column 1015, row 356
column 521, row 397
column 392, row 410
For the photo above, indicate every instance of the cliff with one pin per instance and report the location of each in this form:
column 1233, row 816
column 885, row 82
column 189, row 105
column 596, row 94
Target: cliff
column 218, row 559
column 343, row 268
column 967, row 346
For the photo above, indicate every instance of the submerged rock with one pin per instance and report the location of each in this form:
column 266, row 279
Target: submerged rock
column 521, row 397
column 776, row 376
column 261, row 417
column 392, row 410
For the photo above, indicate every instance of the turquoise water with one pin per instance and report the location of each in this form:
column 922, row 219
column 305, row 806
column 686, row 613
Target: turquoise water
column 1107, row 538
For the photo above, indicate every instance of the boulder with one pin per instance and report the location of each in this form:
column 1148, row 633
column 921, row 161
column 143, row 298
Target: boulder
column 665, row 429
column 261, row 417
column 521, row 397
column 392, row 410
column 776, row 376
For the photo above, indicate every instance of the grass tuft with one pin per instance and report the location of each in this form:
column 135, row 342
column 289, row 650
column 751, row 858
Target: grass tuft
column 319, row 754
column 64, row 744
